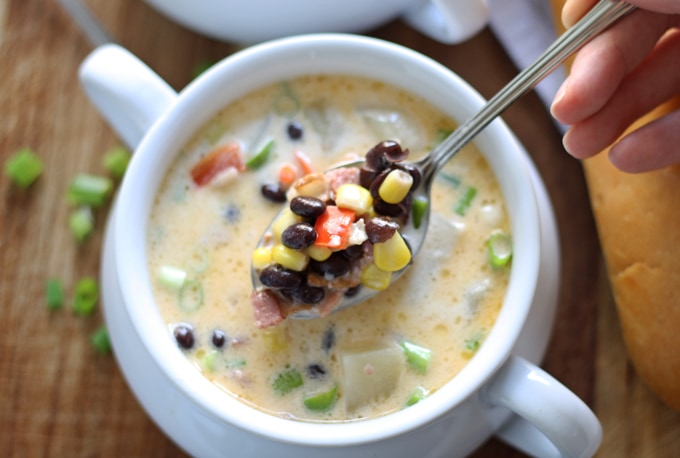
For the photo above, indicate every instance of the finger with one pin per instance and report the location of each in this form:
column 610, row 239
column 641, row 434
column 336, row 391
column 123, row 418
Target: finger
column 652, row 147
column 654, row 82
column 601, row 65
column 573, row 10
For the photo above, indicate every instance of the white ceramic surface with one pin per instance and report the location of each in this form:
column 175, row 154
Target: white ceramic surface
column 501, row 390
column 449, row 21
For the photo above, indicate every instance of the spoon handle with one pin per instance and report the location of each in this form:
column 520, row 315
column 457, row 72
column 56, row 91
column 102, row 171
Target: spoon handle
column 601, row 16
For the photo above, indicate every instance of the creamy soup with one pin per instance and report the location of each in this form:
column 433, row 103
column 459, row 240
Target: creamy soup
column 369, row 360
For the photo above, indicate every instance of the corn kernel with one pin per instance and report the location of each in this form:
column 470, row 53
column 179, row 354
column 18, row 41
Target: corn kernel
column 319, row 253
column 392, row 255
column 354, row 197
column 285, row 219
column 262, row 257
column 396, row 186
column 374, row 278
column 290, row 258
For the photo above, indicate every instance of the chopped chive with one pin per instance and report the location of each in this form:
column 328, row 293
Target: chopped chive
column 54, row 293
column 500, row 249
column 286, row 104
column 191, row 295
column 418, row 395
column 287, row 381
column 450, row 179
column 116, row 161
column 323, row 401
column 473, row 343
column 81, row 223
column 417, row 357
column 172, row 277
column 23, row 167
column 261, row 157
column 89, row 190
column 465, row 200
column 100, row 340
column 241, row 362
column 418, row 209
column 86, row 296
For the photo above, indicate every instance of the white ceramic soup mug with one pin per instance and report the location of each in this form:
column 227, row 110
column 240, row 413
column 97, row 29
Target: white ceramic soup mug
column 500, row 391
column 449, row 21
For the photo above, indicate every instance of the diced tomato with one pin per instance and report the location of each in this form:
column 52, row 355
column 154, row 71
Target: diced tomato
column 217, row 161
column 333, row 227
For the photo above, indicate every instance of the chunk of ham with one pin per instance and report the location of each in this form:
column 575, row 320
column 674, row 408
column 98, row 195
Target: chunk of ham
column 266, row 308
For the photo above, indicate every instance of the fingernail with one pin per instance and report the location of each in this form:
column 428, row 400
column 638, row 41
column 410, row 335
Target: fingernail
column 558, row 97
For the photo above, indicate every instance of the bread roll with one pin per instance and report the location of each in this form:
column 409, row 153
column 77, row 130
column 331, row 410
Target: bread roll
column 638, row 223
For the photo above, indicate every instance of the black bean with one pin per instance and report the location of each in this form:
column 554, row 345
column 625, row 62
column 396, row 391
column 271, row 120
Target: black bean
column 307, row 206
column 349, row 292
column 298, row 236
column 328, row 339
column 277, row 276
column 353, row 252
column 184, row 335
column 334, row 266
column 219, row 338
column 384, row 153
column 273, row 192
column 294, row 130
column 374, row 187
column 308, row 294
column 232, row 213
column 394, row 210
column 380, row 230
column 316, row 372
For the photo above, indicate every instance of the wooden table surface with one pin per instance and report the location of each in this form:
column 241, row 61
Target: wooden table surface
column 58, row 397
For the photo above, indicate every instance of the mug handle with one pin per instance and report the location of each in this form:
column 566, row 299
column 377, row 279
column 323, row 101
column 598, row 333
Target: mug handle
column 550, row 420
column 129, row 95
column 448, row 21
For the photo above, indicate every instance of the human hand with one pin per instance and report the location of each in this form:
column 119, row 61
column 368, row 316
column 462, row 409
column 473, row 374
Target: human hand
column 617, row 78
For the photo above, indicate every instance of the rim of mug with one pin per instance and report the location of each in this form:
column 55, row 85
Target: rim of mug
column 320, row 53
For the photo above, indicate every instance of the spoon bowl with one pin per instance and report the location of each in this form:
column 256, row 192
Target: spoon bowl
column 600, row 17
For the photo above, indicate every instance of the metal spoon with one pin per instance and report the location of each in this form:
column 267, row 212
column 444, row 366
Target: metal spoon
column 600, row 17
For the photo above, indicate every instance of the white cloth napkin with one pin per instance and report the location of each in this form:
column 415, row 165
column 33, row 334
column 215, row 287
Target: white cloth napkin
column 526, row 29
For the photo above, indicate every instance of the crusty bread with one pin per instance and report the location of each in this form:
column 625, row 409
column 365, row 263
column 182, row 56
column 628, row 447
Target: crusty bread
column 638, row 223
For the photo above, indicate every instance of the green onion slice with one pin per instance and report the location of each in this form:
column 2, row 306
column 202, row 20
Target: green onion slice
column 54, row 293
column 23, row 167
column 89, row 190
column 191, row 295
column 465, row 200
column 417, row 357
column 323, row 401
column 81, row 223
column 261, row 157
column 287, row 381
column 172, row 277
column 116, row 161
column 500, row 249
column 86, row 296
column 100, row 340
column 419, row 208
column 418, row 395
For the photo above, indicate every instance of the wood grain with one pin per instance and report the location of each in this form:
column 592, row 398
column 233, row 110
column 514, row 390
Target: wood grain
column 58, row 397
